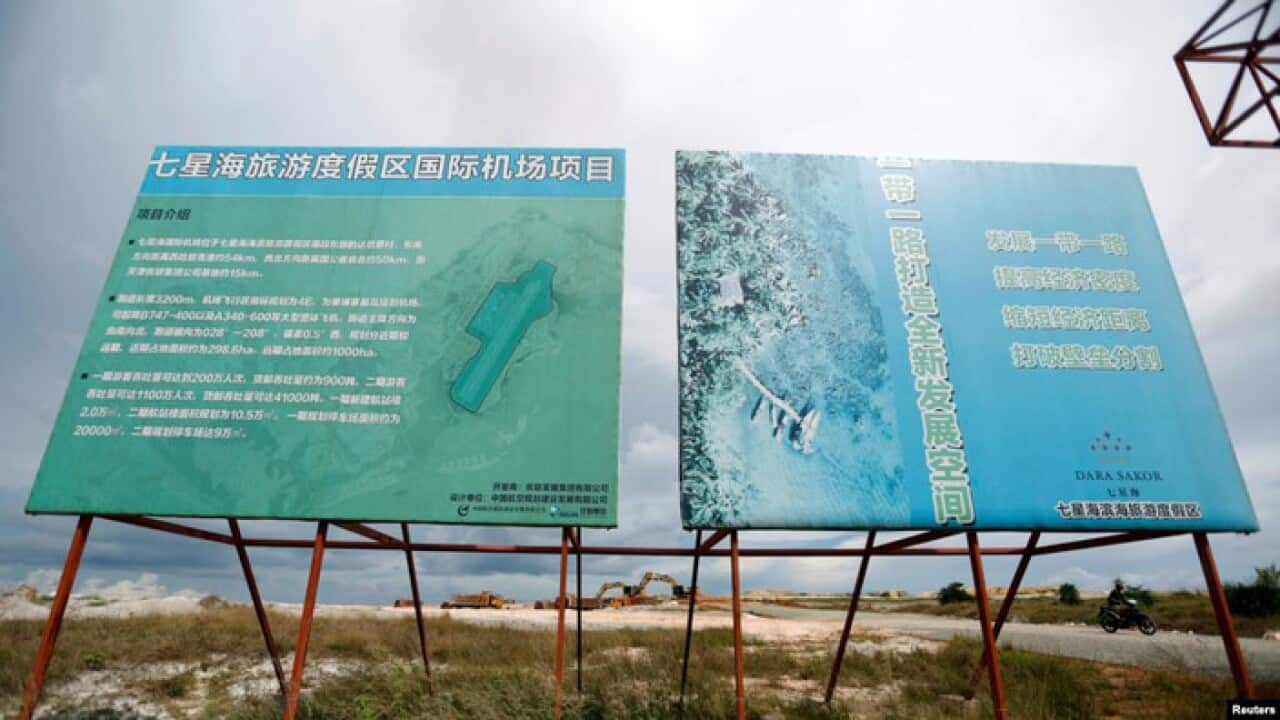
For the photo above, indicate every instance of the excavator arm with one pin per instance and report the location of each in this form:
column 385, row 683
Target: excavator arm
column 660, row 577
column 606, row 587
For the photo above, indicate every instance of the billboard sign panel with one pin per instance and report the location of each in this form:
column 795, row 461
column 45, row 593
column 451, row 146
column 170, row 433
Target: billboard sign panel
column 901, row 343
column 395, row 334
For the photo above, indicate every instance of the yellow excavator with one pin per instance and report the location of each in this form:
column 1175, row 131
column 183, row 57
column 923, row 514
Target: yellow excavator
column 612, row 602
column 631, row 594
column 636, row 596
column 596, row 602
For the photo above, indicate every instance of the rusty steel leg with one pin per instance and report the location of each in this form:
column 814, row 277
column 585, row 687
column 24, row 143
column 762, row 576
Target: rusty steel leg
column 739, row 678
column 417, row 605
column 53, row 625
column 561, row 602
column 688, row 626
column 988, row 637
column 258, row 608
column 1005, row 606
column 1227, row 629
column 578, row 576
column 304, row 625
column 848, row 618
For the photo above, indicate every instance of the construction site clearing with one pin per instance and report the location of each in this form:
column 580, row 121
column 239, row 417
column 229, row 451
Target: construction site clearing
column 614, row 594
column 619, row 594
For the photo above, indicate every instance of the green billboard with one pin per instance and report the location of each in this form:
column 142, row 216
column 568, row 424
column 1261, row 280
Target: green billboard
column 378, row 334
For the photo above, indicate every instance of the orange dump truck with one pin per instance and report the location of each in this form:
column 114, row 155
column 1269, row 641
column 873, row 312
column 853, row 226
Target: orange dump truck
column 482, row 599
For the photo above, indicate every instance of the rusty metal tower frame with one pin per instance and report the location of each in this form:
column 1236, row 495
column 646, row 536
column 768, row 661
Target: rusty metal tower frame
column 1251, row 57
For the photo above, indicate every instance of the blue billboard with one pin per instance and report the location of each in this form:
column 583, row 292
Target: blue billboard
column 899, row 343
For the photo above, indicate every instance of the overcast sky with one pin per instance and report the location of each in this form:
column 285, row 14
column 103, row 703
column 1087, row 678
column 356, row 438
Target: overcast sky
column 88, row 88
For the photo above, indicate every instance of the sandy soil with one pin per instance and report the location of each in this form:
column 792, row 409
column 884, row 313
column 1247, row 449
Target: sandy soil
column 16, row 607
column 771, row 623
column 823, row 628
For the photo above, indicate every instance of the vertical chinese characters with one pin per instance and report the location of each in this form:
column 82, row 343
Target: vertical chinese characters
column 926, row 351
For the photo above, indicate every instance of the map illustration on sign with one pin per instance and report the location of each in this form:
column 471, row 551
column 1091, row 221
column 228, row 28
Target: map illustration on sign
column 500, row 324
column 376, row 334
column 898, row 343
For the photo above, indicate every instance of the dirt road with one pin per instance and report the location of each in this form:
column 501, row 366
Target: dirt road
column 1165, row 650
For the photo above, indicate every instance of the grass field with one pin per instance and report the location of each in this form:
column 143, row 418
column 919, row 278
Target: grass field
column 186, row 666
column 1177, row 610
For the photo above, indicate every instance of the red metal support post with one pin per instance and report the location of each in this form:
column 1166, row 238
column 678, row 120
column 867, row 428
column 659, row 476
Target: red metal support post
column 365, row 531
column 901, row 547
column 1001, row 710
column 52, row 626
column 304, row 625
column 1227, row 629
column 848, row 618
column 258, row 608
column 739, row 677
column 914, row 540
column 1005, row 607
column 712, row 541
column 629, row 551
column 561, row 602
column 577, row 546
column 688, row 626
column 171, row 527
column 1097, row 542
column 417, row 605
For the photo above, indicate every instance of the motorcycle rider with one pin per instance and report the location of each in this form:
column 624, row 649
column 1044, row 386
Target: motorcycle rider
column 1117, row 600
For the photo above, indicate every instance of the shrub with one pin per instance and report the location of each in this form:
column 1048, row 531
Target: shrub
column 94, row 661
column 1068, row 594
column 1268, row 576
column 1260, row 599
column 953, row 593
column 1144, row 597
column 174, row 686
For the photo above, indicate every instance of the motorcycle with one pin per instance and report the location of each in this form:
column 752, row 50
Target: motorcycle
column 1112, row 619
